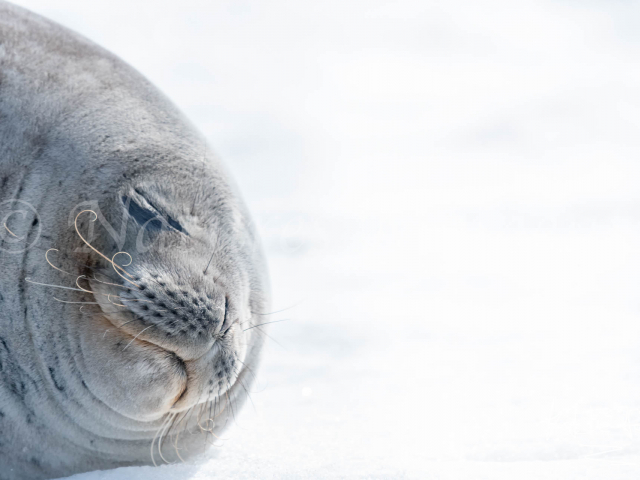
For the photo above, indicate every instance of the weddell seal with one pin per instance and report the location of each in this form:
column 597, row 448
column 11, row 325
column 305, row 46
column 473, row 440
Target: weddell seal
column 132, row 283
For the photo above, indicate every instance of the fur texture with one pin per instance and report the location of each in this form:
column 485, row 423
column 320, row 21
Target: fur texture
column 162, row 346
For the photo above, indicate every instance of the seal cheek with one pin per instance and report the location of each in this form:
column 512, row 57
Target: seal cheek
column 141, row 381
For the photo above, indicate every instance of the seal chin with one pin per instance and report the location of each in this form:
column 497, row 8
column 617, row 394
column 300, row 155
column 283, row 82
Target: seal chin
column 214, row 374
column 208, row 377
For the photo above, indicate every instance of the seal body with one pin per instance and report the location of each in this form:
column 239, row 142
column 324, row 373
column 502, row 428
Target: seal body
column 132, row 283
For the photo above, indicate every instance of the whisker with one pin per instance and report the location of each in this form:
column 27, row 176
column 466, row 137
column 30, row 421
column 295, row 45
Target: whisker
column 84, row 303
column 216, row 415
column 171, row 415
column 7, row 228
column 248, row 395
column 114, row 303
column 130, row 321
column 175, row 443
column 100, row 313
column 150, row 326
column 229, row 402
column 212, row 254
column 50, row 285
column 46, row 257
column 116, row 267
column 270, row 337
column 266, row 323
column 154, row 441
column 83, row 265
column 248, row 368
column 174, row 422
column 186, row 425
column 213, row 424
column 119, row 327
column 80, row 289
column 278, row 311
column 215, row 248
column 108, row 283
column 84, row 289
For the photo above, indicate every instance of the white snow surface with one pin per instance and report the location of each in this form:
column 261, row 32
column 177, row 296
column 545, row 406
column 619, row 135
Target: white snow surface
column 449, row 198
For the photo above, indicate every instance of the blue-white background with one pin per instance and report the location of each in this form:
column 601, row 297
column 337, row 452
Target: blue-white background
column 449, row 197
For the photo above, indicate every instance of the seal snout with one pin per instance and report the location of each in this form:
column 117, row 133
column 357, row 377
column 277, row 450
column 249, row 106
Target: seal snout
column 183, row 317
column 195, row 321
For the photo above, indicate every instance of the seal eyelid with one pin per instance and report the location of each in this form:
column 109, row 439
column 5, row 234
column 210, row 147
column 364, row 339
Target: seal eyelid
column 167, row 217
column 153, row 221
column 140, row 214
column 175, row 224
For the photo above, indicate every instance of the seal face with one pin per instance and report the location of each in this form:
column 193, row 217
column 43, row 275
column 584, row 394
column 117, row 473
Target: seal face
column 133, row 283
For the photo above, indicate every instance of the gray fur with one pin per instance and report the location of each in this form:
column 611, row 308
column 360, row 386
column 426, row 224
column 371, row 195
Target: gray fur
column 80, row 129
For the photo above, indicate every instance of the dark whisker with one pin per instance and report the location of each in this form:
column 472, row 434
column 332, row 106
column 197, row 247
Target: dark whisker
column 212, row 254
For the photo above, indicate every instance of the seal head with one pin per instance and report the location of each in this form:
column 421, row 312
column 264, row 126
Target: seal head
column 133, row 281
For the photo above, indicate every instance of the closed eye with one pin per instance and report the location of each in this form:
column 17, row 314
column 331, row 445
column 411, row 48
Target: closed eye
column 151, row 220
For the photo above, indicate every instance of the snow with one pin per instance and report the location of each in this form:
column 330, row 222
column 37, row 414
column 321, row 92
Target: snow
column 448, row 197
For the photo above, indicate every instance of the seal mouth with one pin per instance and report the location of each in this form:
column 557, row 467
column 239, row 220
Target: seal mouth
column 178, row 364
column 191, row 393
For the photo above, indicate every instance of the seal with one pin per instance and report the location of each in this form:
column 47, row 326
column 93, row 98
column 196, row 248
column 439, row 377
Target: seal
column 133, row 285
